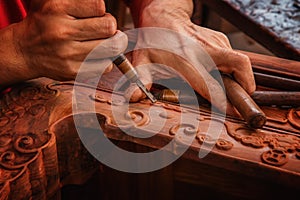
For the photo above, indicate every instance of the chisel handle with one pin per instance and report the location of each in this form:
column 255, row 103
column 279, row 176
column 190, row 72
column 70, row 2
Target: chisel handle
column 245, row 105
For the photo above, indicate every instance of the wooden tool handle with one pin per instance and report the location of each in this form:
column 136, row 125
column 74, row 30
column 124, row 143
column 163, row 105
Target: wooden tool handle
column 126, row 68
column 277, row 98
column 246, row 106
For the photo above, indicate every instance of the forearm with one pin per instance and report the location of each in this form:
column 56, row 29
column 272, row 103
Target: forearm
column 12, row 64
column 158, row 9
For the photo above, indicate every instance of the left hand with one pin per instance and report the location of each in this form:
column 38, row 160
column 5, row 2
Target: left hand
column 175, row 15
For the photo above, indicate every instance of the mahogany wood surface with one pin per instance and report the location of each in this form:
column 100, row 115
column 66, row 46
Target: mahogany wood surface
column 41, row 153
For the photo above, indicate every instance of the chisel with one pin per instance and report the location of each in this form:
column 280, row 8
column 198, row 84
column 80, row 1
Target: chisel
column 129, row 71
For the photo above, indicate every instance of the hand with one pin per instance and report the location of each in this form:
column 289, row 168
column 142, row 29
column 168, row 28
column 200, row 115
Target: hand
column 57, row 35
column 175, row 16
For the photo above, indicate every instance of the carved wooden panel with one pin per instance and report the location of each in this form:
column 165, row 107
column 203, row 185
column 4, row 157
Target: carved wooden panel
column 40, row 150
column 28, row 156
column 29, row 166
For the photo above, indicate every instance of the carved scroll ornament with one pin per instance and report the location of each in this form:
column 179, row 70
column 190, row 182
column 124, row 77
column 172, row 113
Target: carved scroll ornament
column 34, row 156
column 279, row 147
column 28, row 159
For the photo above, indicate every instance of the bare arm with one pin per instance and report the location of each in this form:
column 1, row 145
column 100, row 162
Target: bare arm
column 54, row 39
column 12, row 63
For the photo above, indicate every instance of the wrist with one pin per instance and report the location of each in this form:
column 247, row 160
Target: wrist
column 161, row 13
column 14, row 67
column 20, row 43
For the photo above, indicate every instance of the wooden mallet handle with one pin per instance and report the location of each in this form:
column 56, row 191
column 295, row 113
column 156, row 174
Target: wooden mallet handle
column 242, row 101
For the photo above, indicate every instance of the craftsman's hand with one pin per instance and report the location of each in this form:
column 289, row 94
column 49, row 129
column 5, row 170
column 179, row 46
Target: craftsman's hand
column 175, row 15
column 57, row 35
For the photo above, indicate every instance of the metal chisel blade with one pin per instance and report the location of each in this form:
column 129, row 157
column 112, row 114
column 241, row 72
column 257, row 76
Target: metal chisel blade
column 146, row 91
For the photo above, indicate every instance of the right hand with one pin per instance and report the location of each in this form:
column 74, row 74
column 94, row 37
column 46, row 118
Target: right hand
column 57, row 35
column 175, row 16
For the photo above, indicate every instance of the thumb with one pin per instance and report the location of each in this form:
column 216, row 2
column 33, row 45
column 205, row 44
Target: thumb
column 237, row 64
column 133, row 93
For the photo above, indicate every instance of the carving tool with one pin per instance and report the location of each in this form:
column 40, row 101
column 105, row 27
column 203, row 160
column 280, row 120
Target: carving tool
column 238, row 97
column 242, row 101
column 277, row 98
column 129, row 71
column 261, row 97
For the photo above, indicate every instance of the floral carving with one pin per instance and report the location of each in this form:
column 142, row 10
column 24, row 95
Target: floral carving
column 186, row 128
column 166, row 115
column 138, row 117
column 101, row 99
column 220, row 143
column 188, row 132
column 279, row 145
column 22, row 151
column 98, row 98
column 294, row 117
column 224, row 144
column 4, row 121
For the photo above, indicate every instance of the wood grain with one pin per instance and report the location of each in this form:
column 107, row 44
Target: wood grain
column 40, row 151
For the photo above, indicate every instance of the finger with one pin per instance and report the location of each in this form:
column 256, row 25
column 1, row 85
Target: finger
column 133, row 93
column 210, row 37
column 210, row 89
column 83, row 9
column 197, row 76
column 109, row 68
column 91, row 72
column 237, row 64
column 97, row 67
column 94, row 28
column 104, row 48
column 202, row 82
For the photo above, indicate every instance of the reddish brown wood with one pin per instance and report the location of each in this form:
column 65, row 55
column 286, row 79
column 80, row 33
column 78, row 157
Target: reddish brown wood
column 273, row 65
column 277, row 98
column 245, row 105
column 40, row 150
column 35, row 157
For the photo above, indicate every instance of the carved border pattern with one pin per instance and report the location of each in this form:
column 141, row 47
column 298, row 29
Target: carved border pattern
column 24, row 169
column 280, row 146
column 141, row 119
column 294, row 117
column 28, row 160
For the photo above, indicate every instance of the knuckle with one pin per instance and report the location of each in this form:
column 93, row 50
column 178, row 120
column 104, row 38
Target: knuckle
column 110, row 26
column 99, row 7
column 118, row 43
column 58, row 33
column 70, row 52
column 62, row 53
column 63, row 32
column 245, row 59
column 222, row 37
column 65, row 52
column 116, row 49
column 55, row 6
